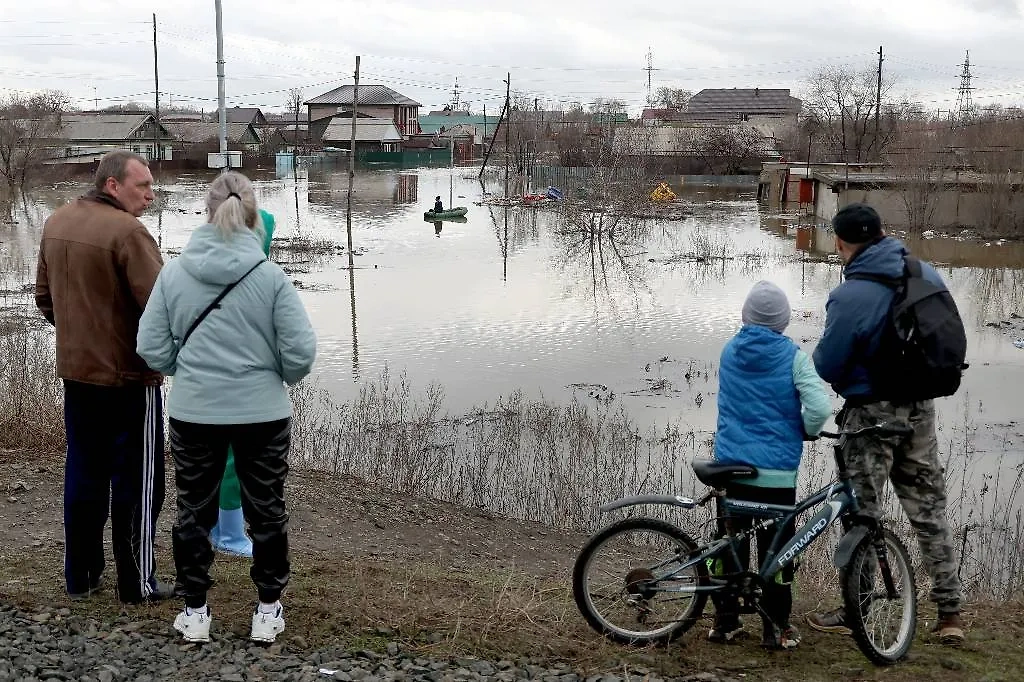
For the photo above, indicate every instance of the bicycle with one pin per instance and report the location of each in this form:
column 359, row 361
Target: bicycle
column 876, row 576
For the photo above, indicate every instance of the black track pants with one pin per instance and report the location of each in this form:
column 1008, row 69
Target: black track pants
column 261, row 459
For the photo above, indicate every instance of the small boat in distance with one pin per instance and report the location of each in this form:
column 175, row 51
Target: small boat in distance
column 454, row 212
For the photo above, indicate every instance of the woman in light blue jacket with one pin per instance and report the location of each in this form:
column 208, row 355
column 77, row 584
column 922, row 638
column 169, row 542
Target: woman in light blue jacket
column 230, row 371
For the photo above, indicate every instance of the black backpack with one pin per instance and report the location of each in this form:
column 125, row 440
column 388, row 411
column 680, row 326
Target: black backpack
column 923, row 347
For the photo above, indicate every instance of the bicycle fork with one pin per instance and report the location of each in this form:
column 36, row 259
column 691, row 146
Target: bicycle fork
column 883, row 563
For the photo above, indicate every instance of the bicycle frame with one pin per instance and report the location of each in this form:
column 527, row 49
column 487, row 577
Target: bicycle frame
column 840, row 500
column 841, row 503
column 838, row 494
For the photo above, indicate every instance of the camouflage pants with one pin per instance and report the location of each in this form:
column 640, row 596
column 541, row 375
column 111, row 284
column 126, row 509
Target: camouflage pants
column 911, row 463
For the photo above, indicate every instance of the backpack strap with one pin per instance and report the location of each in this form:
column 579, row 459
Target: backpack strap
column 216, row 303
column 912, row 266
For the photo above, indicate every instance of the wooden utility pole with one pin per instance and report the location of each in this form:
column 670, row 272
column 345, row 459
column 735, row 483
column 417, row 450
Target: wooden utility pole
column 508, row 122
column 352, row 157
column 878, row 93
column 487, row 153
column 156, row 88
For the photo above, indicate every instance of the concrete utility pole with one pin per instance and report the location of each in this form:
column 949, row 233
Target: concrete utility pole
column 220, row 90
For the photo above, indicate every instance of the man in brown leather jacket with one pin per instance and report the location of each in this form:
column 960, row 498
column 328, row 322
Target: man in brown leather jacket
column 97, row 265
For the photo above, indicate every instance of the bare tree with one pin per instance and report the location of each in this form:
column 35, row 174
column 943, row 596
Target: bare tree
column 672, row 98
column 526, row 132
column 727, row 150
column 30, row 128
column 129, row 106
column 841, row 102
column 920, row 170
column 608, row 107
column 294, row 106
column 611, row 187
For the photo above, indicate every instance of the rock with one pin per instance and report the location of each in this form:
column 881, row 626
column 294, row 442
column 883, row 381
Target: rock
column 483, row 668
column 951, row 664
column 392, row 648
column 343, row 676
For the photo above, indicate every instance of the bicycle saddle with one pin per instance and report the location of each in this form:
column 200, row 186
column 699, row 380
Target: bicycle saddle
column 717, row 474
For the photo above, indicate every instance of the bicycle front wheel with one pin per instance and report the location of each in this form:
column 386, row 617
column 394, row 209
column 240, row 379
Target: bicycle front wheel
column 630, row 585
column 883, row 624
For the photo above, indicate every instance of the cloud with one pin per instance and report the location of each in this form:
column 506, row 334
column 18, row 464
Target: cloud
column 572, row 50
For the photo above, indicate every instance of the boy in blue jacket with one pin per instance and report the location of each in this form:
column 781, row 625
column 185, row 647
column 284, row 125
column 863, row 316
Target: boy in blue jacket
column 770, row 399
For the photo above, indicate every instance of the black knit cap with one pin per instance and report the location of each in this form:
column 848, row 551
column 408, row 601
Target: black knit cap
column 857, row 223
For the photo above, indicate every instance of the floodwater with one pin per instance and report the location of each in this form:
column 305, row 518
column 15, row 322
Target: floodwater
column 510, row 300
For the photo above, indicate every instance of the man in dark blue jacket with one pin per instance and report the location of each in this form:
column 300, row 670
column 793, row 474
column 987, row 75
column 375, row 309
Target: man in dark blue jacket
column 856, row 315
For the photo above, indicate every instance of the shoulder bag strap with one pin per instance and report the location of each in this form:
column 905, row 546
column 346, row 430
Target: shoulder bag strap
column 215, row 303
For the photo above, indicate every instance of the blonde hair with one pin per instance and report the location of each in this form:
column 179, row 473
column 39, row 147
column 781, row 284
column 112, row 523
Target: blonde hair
column 231, row 205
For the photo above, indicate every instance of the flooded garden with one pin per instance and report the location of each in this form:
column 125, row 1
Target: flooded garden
column 517, row 364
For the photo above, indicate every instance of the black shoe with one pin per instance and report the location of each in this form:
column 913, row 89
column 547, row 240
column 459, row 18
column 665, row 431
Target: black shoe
column 97, row 586
column 162, row 592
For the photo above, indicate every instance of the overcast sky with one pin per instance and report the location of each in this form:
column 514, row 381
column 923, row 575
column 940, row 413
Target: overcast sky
column 561, row 51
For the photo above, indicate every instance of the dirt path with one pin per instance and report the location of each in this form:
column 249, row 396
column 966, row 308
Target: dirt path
column 372, row 568
column 344, row 517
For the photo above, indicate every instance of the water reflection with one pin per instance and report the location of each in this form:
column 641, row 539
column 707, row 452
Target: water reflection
column 377, row 193
column 512, row 298
column 605, row 256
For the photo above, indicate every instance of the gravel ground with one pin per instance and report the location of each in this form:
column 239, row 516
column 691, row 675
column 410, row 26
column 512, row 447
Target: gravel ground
column 53, row 644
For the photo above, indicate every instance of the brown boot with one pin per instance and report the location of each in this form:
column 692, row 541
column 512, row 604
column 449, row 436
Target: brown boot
column 950, row 629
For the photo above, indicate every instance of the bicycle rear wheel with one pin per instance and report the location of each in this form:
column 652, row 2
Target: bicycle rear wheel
column 628, row 584
column 883, row 627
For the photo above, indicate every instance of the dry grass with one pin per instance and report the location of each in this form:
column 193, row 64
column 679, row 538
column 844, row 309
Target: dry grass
column 349, row 604
column 31, row 397
column 556, row 463
column 540, row 461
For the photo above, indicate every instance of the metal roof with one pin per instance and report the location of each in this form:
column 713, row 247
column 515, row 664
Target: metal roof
column 661, row 114
column 242, row 114
column 196, row 131
column 723, row 101
column 113, row 127
column 367, row 130
column 369, row 95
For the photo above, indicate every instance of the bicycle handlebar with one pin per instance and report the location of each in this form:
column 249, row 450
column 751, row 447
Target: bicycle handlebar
column 882, row 428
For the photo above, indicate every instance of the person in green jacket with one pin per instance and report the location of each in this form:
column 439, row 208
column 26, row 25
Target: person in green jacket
column 229, row 536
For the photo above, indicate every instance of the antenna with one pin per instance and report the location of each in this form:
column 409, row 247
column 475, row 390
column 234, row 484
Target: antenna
column 455, row 95
column 964, row 106
column 649, row 68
